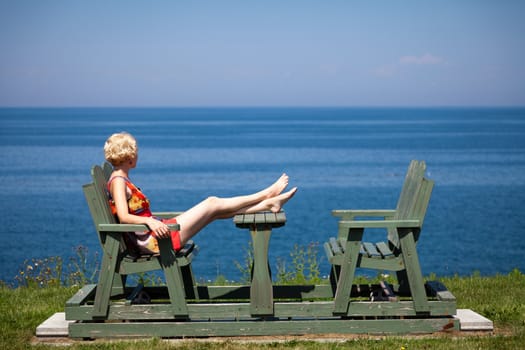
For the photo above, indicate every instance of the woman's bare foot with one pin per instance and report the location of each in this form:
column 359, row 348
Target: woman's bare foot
column 277, row 187
column 276, row 203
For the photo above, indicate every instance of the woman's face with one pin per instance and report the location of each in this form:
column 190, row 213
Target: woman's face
column 133, row 161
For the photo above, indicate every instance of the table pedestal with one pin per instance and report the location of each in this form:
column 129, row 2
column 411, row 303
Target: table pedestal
column 260, row 226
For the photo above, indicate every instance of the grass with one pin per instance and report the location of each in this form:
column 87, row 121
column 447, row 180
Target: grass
column 499, row 298
column 45, row 285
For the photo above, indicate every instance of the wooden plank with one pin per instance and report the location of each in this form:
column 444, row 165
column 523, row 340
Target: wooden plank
column 371, row 250
column 438, row 289
column 260, row 218
column 244, row 220
column 413, row 270
column 410, row 188
column 423, row 200
column 189, row 248
column 251, row 328
column 380, row 223
column 82, row 295
column 249, row 219
column 235, row 310
column 107, row 169
column 385, row 251
column 127, row 267
column 104, row 214
column 329, row 252
column 348, row 267
column 261, row 292
column 350, row 214
column 114, row 227
column 270, row 218
column 106, row 275
column 335, row 247
column 392, row 264
column 303, row 292
column 173, row 276
column 275, row 219
column 238, row 219
column 280, row 217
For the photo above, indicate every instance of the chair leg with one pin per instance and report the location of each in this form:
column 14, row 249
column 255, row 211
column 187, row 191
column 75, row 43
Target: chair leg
column 119, row 284
column 335, row 272
column 174, row 279
column 347, row 274
column 189, row 282
column 107, row 276
column 413, row 270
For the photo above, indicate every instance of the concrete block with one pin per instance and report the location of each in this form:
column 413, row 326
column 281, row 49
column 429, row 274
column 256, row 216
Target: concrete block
column 472, row 321
column 55, row 326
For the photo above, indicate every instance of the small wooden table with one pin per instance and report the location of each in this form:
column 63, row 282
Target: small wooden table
column 260, row 226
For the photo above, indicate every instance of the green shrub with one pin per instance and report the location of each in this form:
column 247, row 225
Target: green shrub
column 304, row 266
column 51, row 271
column 245, row 268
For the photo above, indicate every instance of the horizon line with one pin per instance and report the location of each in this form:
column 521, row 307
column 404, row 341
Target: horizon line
column 260, row 106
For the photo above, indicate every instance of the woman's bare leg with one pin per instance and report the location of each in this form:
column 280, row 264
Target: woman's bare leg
column 273, row 204
column 212, row 208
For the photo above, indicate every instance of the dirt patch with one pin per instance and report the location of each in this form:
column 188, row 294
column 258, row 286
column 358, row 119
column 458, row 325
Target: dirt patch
column 322, row 338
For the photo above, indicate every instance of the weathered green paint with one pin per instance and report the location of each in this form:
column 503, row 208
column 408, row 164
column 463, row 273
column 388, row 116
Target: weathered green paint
column 183, row 309
column 260, row 226
column 259, row 328
column 242, row 310
column 261, row 292
column 399, row 254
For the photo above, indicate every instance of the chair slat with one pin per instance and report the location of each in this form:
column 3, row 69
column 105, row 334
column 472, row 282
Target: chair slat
column 334, row 245
column 371, row 250
column 385, row 251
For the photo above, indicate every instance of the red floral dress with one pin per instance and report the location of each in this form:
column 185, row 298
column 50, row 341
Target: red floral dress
column 138, row 204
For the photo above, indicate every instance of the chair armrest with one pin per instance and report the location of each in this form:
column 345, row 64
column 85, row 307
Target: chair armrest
column 350, row 214
column 130, row 227
column 167, row 214
column 379, row 223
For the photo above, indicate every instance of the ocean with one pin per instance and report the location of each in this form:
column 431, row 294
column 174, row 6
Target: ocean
column 339, row 158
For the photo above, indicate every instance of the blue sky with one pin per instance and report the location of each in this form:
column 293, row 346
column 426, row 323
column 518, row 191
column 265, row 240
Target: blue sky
column 262, row 53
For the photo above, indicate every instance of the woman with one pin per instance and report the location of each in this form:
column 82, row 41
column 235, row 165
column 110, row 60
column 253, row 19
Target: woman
column 130, row 205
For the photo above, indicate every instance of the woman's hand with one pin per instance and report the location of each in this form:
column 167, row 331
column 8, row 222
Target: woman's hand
column 160, row 229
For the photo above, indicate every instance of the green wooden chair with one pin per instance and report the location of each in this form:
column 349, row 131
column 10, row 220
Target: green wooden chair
column 118, row 261
column 403, row 225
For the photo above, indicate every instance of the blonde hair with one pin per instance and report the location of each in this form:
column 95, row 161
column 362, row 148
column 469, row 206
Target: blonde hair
column 120, row 148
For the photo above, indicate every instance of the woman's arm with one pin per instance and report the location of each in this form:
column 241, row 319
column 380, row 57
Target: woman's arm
column 118, row 193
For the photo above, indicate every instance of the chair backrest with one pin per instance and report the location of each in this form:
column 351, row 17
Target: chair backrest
column 97, row 198
column 107, row 169
column 413, row 177
column 414, row 198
